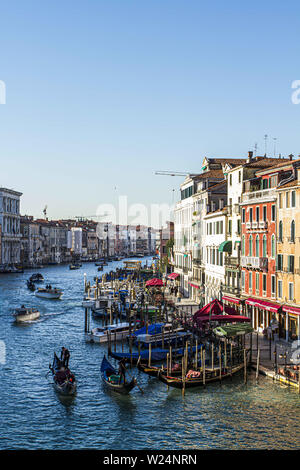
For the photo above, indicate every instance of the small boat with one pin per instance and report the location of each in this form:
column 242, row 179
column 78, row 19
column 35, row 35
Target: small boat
column 49, row 293
column 30, row 285
column 196, row 378
column 36, row 277
column 100, row 268
column 74, row 266
column 64, row 381
column 153, row 371
column 110, row 332
column 24, row 314
column 111, row 378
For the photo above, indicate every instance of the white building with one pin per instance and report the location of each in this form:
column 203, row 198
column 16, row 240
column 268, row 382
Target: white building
column 10, row 224
column 76, row 240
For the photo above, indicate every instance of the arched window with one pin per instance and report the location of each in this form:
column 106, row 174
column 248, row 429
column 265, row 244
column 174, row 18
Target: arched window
column 243, row 245
column 257, row 246
column 264, row 246
column 273, row 247
column 280, row 231
column 250, row 246
column 293, row 231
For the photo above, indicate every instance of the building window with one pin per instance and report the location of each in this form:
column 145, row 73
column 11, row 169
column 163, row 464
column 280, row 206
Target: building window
column 243, row 280
column 273, row 286
column 257, row 283
column 279, row 289
column 273, row 213
column 273, row 246
column 291, row 264
column 243, row 245
column 250, row 281
column 250, row 214
column 280, row 231
column 264, row 284
column 280, row 201
column 287, row 200
column 293, row 201
column 250, row 246
column 265, row 213
column 243, row 216
column 279, row 263
column 257, row 246
column 291, row 291
column 240, row 176
column 257, row 214
column 265, row 246
column 292, row 231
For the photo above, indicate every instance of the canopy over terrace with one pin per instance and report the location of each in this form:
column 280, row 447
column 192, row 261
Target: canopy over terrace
column 216, row 311
column 154, row 282
column 173, row 276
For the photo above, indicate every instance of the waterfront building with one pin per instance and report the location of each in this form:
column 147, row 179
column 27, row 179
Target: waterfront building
column 164, row 246
column 76, row 233
column 288, row 252
column 10, row 223
column 236, row 176
column 259, row 247
column 215, row 223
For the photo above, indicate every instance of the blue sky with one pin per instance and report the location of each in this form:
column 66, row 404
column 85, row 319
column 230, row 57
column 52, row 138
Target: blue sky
column 100, row 94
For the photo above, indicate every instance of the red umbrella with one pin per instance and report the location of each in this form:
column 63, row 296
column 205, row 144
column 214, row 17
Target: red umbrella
column 154, row 282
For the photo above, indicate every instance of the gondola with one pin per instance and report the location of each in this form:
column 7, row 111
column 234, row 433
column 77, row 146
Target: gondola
column 211, row 375
column 111, row 378
column 38, row 277
column 31, row 285
column 157, row 354
column 153, row 371
column 65, row 384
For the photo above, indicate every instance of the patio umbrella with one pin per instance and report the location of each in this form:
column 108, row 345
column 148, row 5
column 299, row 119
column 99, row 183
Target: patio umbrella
column 154, row 282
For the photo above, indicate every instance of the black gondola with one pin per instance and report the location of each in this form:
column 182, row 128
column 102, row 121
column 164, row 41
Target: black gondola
column 38, row 277
column 31, row 285
column 64, row 381
column 111, row 378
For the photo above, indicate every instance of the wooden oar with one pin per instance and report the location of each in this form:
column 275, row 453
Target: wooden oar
column 135, row 380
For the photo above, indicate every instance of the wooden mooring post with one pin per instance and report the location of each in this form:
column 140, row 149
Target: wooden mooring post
column 257, row 365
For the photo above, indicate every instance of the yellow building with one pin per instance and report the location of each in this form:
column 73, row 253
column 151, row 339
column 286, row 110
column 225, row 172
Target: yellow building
column 288, row 254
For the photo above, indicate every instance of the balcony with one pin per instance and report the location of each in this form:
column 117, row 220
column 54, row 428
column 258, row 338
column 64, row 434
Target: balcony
column 250, row 262
column 232, row 261
column 228, row 289
column 259, row 196
column 263, row 224
column 248, row 225
column 254, row 225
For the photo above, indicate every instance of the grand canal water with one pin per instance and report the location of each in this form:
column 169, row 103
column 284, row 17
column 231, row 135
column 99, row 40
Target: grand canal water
column 32, row 416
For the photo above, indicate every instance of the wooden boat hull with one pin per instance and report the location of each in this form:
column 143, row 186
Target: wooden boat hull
column 177, row 382
column 67, row 388
column 48, row 295
column 153, row 371
column 22, row 318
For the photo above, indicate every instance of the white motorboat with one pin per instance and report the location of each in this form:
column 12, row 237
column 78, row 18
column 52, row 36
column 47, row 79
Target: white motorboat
column 47, row 293
column 24, row 314
column 114, row 332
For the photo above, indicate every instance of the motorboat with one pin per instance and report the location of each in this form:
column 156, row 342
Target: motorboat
column 114, row 332
column 38, row 277
column 24, row 314
column 49, row 293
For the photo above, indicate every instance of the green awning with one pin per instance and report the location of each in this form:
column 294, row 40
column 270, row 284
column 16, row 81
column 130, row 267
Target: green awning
column 225, row 247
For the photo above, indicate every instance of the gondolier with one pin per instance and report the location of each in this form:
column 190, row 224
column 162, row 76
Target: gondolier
column 122, row 370
column 65, row 356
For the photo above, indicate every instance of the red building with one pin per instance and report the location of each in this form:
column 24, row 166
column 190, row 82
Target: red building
column 258, row 246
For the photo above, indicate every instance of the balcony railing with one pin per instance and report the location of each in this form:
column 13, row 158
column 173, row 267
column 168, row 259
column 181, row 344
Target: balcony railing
column 263, row 224
column 232, row 261
column 250, row 261
column 259, row 196
column 228, row 289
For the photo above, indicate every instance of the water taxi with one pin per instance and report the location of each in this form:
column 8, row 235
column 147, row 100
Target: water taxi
column 114, row 332
column 24, row 314
column 49, row 293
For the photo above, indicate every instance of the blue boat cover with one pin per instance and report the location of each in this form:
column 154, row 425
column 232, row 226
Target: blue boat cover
column 106, row 365
column 154, row 329
column 157, row 354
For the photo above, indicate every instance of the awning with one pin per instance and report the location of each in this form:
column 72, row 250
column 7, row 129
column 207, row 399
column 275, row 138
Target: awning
column 290, row 309
column 194, row 285
column 154, row 282
column 225, row 247
column 231, row 299
column 263, row 304
column 173, row 276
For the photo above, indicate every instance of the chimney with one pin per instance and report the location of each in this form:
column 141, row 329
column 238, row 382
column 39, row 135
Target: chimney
column 250, row 155
column 291, row 156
